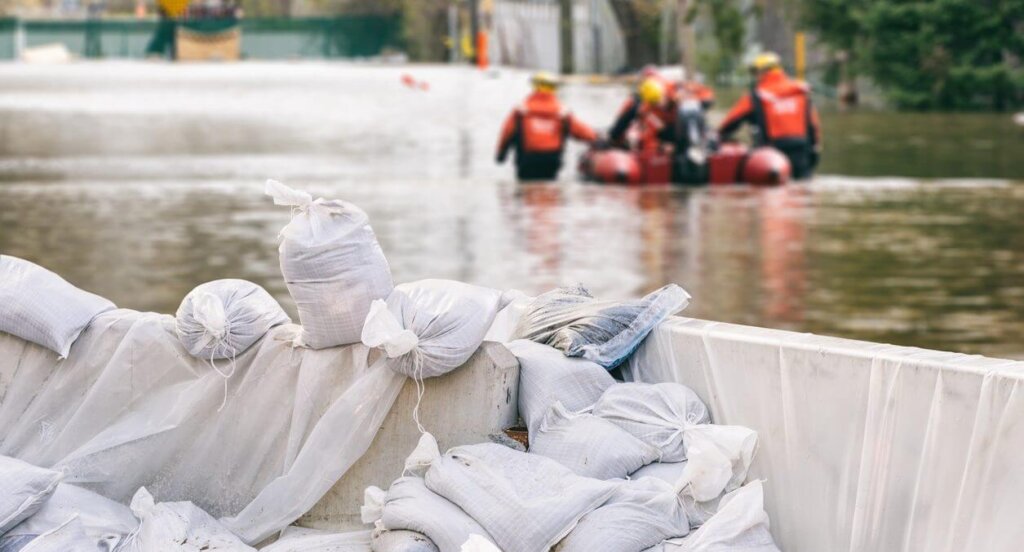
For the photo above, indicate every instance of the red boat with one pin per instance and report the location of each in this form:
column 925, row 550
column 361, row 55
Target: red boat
column 731, row 163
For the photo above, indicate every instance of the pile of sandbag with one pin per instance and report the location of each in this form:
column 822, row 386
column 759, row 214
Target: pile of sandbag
column 40, row 513
column 617, row 467
column 493, row 497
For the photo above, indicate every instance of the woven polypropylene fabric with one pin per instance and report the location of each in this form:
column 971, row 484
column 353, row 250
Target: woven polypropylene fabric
column 401, row 541
column 334, row 268
column 656, row 414
column 449, row 319
column 590, row 446
column 639, row 515
column 410, row 505
column 526, row 502
column 41, row 307
column 23, row 490
column 249, row 313
column 547, row 376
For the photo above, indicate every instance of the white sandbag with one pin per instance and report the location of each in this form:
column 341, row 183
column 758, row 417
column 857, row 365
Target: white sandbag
column 547, row 376
column 505, row 322
column 476, row 543
column 223, row 318
column 300, row 539
column 719, row 459
column 590, row 446
column 697, row 513
column 14, row 543
column 24, row 489
column 99, row 517
column 606, row 332
column 740, row 524
column 639, row 515
column 332, row 264
column 177, row 526
column 68, row 537
column 401, row 541
column 411, row 506
column 657, row 414
column 430, row 327
column 43, row 308
column 526, row 502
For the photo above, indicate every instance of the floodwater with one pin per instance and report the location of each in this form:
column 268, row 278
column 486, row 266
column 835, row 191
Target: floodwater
column 139, row 181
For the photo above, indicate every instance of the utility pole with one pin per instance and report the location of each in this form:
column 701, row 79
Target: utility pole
column 565, row 24
column 687, row 39
column 474, row 27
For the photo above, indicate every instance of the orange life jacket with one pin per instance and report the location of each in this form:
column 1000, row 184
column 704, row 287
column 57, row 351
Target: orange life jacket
column 785, row 106
column 653, row 122
column 543, row 124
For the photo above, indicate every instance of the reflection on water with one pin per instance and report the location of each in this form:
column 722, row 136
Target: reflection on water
column 935, row 264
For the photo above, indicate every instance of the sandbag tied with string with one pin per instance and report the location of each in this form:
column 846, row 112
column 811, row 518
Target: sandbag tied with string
column 221, row 319
column 431, row 327
column 333, row 266
column 571, row 320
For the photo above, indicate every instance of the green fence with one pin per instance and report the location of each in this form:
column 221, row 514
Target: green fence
column 262, row 38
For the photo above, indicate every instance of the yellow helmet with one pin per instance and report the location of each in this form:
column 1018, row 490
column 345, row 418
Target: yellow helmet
column 651, row 91
column 765, row 61
column 543, row 80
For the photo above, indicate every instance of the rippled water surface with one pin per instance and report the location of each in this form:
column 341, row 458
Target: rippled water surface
column 139, row 181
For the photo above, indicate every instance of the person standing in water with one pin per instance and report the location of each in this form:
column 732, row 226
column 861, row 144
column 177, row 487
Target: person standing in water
column 538, row 130
column 779, row 108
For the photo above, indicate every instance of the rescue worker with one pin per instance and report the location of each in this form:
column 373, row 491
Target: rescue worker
column 652, row 108
column 780, row 111
column 538, row 130
column 697, row 90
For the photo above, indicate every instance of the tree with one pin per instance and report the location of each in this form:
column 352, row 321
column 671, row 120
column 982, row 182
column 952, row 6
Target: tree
column 931, row 54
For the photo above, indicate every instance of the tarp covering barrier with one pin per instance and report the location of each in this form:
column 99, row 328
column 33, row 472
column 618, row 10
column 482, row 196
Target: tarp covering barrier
column 345, row 36
column 130, row 407
column 866, row 447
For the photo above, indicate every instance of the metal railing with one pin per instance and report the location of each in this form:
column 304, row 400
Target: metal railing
column 350, row 36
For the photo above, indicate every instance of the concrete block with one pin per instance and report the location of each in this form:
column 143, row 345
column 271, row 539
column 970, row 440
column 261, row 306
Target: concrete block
column 463, row 407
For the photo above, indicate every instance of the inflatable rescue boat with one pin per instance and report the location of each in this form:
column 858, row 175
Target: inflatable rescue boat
column 731, row 163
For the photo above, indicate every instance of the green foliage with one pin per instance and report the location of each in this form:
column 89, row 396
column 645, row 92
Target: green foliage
column 932, row 54
column 729, row 31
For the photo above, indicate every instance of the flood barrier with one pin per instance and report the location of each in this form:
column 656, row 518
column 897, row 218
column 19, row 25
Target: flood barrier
column 864, row 446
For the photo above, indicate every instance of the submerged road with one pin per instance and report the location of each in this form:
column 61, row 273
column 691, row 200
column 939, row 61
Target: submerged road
column 139, row 181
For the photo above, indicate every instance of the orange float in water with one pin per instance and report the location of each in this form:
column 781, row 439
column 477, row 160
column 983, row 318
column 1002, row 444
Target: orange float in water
column 766, row 167
column 613, row 166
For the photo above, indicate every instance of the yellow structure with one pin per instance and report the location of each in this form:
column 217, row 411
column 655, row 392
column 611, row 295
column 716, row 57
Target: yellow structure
column 223, row 46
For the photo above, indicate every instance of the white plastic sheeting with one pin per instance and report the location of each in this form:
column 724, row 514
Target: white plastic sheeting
column 865, row 446
column 130, row 407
